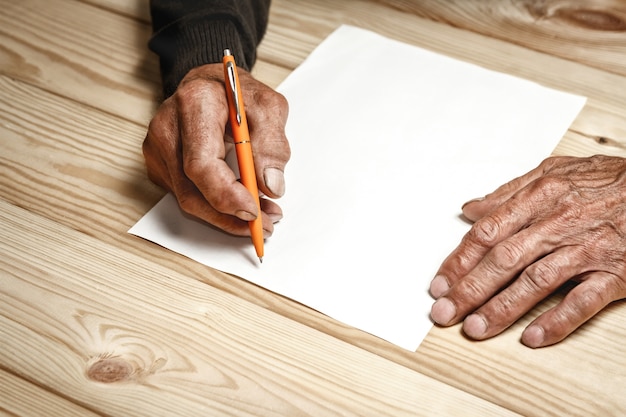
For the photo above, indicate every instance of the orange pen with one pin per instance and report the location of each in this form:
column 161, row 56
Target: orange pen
column 243, row 147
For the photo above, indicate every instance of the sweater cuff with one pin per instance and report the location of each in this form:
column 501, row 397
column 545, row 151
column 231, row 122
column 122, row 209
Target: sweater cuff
column 189, row 44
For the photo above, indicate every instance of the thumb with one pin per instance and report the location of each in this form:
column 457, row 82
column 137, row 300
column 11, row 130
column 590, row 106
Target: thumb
column 478, row 208
column 267, row 112
column 271, row 155
column 273, row 182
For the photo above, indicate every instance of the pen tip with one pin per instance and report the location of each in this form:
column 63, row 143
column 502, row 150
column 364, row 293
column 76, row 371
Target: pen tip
column 261, row 259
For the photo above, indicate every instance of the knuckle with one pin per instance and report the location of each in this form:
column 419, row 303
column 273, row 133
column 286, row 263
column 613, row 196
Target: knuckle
column 194, row 167
column 597, row 293
column 468, row 293
column 540, row 276
column 550, row 185
column 584, row 303
column 271, row 98
column 573, row 313
column 275, row 105
column 191, row 93
column 506, row 255
column 505, row 309
column 485, row 232
column 185, row 90
column 280, row 151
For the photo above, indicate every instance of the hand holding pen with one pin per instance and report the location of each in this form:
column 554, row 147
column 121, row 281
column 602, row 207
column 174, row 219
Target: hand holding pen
column 187, row 142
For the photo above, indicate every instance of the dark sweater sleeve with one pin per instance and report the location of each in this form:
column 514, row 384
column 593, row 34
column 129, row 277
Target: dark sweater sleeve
column 190, row 33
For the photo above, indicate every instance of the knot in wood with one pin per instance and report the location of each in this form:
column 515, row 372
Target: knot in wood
column 110, row 370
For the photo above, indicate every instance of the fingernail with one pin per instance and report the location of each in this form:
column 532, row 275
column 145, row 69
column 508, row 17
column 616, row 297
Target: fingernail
column 474, row 200
column 439, row 286
column 245, row 215
column 533, row 336
column 443, row 311
column 475, row 326
column 275, row 181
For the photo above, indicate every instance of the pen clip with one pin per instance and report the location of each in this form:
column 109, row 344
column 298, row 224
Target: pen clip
column 230, row 67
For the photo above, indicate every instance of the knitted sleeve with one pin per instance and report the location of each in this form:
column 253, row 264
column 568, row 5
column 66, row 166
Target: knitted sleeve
column 190, row 33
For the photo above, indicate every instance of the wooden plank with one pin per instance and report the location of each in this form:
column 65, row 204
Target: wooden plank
column 52, row 142
column 68, row 126
column 556, row 29
column 137, row 9
column 590, row 32
column 296, row 28
column 71, row 161
column 582, row 376
column 91, row 323
column 82, row 52
column 20, row 398
column 306, row 24
column 595, row 131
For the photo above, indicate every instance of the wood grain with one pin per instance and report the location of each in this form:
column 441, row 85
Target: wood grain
column 129, row 337
column 592, row 32
column 53, row 44
column 136, row 9
column 19, row 397
column 87, row 302
column 505, row 372
column 421, row 28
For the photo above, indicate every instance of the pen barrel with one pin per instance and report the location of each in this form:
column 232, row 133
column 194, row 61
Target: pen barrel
column 243, row 147
column 245, row 160
column 248, row 179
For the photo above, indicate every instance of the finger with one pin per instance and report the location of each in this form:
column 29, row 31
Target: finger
column 535, row 283
column 478, row 208
column 192, row 202
column 579, row 305
column 272, row 210
column 497, row 268
column 203, row 111
column 267, row 112
column 484, row 235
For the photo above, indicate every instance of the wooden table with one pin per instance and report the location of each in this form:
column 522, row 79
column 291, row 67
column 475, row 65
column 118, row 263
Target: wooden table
column 94, row 321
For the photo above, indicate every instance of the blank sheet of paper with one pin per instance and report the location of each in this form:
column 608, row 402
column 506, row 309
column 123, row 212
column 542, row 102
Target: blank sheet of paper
column 388, row 141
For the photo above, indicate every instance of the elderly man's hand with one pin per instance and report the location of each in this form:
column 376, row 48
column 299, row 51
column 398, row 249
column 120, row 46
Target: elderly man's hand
column 188, row 139
column 565, row 220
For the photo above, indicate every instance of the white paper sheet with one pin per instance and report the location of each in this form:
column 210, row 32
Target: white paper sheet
column 388, row 140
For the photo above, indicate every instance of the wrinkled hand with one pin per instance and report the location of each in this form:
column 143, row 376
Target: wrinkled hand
column 187, row 142
column 565, row 220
